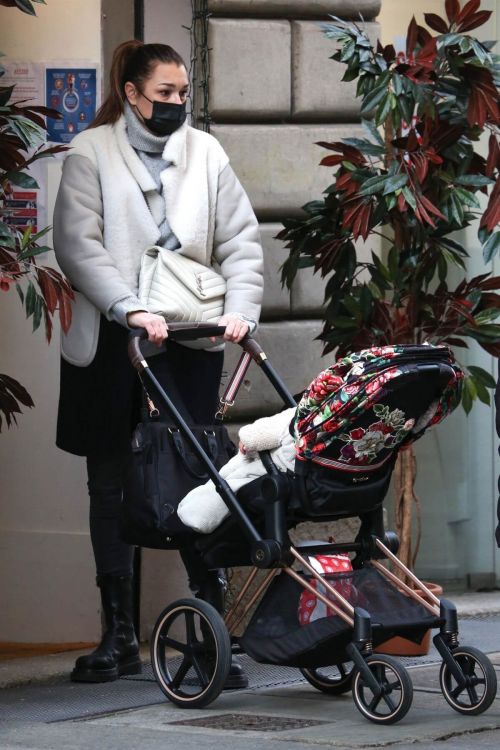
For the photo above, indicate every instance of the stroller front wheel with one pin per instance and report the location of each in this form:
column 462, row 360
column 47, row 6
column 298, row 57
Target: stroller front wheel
column 475, row 691
column 190, row 653
column 391, row 702
column 334, row 680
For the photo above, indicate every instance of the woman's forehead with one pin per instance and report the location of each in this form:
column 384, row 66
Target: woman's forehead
column 170, row 74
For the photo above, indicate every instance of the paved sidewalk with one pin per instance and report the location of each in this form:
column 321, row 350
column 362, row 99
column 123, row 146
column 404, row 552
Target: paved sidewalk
column 37, row 669
column 318, row 720
column 47, row 712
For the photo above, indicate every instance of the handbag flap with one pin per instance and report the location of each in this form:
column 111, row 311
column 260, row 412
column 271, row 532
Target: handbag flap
column 203, row 282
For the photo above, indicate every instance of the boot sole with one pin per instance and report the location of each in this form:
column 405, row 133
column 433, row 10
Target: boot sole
column 236, row 682
column 130, row 666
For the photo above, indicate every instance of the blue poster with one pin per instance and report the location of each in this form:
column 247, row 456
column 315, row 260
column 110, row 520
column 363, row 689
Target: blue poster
column 73, row 92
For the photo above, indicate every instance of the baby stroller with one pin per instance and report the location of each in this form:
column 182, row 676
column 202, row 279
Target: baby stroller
column 349, row 425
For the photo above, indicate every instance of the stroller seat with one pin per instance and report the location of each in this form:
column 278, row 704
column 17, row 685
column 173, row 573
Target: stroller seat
column 337, row 483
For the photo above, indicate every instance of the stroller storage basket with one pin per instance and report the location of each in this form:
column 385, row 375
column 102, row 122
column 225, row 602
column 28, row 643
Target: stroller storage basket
column 275, row 634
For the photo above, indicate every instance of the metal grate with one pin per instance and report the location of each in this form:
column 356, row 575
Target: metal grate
column 249, row 723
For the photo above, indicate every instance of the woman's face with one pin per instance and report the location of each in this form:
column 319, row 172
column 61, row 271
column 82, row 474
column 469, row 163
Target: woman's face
column 168, row 83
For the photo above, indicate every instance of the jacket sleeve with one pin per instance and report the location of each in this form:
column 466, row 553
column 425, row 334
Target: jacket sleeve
column 78, row 238
column 237, row 247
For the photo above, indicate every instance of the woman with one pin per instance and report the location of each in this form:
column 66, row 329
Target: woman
column 140, row 176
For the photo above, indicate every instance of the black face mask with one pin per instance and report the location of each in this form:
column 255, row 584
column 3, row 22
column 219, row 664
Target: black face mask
column 166, row 118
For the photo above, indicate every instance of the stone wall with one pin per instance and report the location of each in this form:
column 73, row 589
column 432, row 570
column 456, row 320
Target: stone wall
column 274, row 93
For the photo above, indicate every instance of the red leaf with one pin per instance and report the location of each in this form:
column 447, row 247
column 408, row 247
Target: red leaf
column 493, row 349
column 423, row 36
column 48, row 289
column 452, row 10
column 432, row 208
column 493, row 161
column 490, row 300
column 468, row 9
column 491, row 216
column 478, row 19
column 48, row 326
column 402, row 203
column 65, row 311
column 492, row 283
column 453, row 341
column 331, row 161
column 436, row 22
column 411, row 37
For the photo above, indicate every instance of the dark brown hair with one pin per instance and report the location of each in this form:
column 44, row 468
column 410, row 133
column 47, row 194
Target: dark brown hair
column 132, row 61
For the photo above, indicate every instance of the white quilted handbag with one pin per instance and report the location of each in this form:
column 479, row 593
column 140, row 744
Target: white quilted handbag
column 180, row 288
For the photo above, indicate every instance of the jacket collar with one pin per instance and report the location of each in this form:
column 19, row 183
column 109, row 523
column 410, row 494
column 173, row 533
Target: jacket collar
column 139, row 171
column 174, row 152
column 175, row 148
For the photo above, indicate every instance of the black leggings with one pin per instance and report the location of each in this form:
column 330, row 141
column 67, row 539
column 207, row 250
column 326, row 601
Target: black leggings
column 191, row 378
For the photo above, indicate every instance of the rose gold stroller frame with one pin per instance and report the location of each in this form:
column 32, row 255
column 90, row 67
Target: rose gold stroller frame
column 272, row 552
column 342, row 608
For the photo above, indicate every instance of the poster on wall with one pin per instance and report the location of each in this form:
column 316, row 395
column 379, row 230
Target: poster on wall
column 24, row 207
column 27, row 77
column 73, row 92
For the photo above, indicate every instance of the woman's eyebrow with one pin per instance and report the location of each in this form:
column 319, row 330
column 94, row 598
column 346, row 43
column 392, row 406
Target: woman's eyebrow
column 172, row 85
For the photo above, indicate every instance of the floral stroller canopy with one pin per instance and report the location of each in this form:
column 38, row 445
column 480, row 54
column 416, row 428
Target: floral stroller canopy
column 352, row 417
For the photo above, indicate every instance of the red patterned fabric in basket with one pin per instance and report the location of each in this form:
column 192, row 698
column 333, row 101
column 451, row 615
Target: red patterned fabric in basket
column 310, row 607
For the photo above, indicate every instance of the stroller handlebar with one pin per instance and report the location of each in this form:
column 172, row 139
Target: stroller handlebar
column 177, row 331
column 183, row 331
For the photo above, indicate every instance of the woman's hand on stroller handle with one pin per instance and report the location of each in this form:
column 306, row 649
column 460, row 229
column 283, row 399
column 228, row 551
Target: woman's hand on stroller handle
column 154, row 325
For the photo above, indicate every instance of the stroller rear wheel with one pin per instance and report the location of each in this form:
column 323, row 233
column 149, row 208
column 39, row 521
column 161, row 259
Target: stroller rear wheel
column 334, row 680
column 475, row 692
column 190, row 653
column 394, row 696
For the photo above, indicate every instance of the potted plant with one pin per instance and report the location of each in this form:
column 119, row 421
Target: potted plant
column 42, row 290
column 416, row 181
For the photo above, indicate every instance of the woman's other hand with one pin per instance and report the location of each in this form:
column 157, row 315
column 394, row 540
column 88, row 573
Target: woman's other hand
column 155, row 325
column 235, row 328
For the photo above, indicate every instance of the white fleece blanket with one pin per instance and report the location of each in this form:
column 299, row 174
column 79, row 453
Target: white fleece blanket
column 203, row 509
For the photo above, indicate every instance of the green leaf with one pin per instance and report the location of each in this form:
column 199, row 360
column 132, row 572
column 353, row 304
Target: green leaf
column 373, row 185
column 384, row 109
column 410, row 198
column 373, row 98
column 20, row 293
column 372, row 129
column 366, row 147
column 37, row 312
column 395, row 183
column 5, row 94
column 404, row 108
column 491, row 247
column 468, row 198
column 26, row 7
column 466, row 399
column 30, row 300
column 482, row 376
column 482, row 392
column 7, row 236
column 341, row 321
column 474, row 180
column 30, row 252
column 22, row 180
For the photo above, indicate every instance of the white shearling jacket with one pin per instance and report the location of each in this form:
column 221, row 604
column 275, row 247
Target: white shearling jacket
column 105, row 218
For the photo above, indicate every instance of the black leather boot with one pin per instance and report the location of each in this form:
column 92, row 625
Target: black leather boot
column 118, row 652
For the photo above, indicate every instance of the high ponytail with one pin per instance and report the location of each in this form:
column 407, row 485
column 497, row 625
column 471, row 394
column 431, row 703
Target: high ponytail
column 132, row 61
